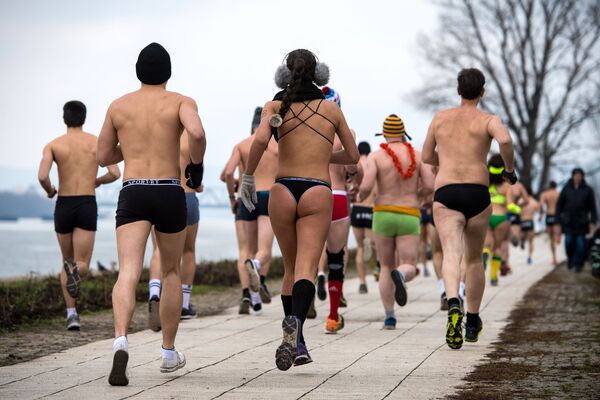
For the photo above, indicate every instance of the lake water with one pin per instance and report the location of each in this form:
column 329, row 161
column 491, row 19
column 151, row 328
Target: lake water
column 30, row 246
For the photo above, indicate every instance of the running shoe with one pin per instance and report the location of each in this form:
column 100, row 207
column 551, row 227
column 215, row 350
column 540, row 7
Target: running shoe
column 472, row 333
column 444, row 302
column 302, row 356
column 494, row 282
column 343, row 302
column 362, row 289
column 153, row 314
column 389, row 324
column 265, row 295
column 377, row 272
column 252, row 270
column 244, row 306
column 312, row 312
column 522, row 244
column 172, row 365
column 118, row 373
column 400, row 292
column 368, row 249
column 321, row 292
column 188, row 313
column 333, row 326
column 505, row 269
column 73, row 278
column 256, row 303
column 454, row 335
column 426, row 272
column 529, row 261
column 288, row 349
column 514, row 240
column 462, row 303
column 73, row 323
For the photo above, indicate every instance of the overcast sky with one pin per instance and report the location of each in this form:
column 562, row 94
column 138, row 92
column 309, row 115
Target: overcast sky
column 224, row 55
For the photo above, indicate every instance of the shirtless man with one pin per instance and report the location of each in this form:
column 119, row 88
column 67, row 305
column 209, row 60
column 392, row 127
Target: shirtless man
column 527, row 225
column 188, row 258
column 462, row 208
column 397, row 170
column 143, row 129
column 255, row 235
column 548, row 200
column 76, row 212
column 337, row 238
column 361, row 219
column 520, row 198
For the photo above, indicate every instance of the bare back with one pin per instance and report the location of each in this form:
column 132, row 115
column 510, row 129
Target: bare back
column 463, row 142
column 75, row 156
column 149, row 128
column 528, row 211
column 267, row 167
column 548, row 199
column 302, row 151
column 392, row 189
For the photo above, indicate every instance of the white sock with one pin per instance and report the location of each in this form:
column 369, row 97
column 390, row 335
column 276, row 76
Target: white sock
column 71, row 311
column 390, row 314
column 461, row 290
column 255, row 297
column 154, row 285
column 321, row 273
column 402, row 275
column 257, row 263
column 187, row 292
column 170, row 354
column 121, row 343
column 442, row 286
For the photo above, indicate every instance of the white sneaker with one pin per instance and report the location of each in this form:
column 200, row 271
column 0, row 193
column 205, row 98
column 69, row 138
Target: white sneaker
column 172, row 365
column 253, row 275
column 256, row 303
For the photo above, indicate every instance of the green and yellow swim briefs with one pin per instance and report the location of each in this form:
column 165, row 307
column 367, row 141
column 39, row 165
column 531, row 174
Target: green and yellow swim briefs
column 392, row 221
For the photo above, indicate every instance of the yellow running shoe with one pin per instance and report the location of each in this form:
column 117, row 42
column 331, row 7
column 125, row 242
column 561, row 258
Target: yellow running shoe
column 332, row 326
column 454, row 334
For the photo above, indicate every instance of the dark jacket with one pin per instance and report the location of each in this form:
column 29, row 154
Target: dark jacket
column 576, row 208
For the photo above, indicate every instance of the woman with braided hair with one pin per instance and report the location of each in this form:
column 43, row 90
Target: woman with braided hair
column 300, row 204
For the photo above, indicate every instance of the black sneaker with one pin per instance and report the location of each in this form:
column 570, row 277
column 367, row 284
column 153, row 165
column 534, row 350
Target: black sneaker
column 188, row 313
column 118, row 373
column 312, row 312
column 362, row 289
column 321, row 292
column 400, row 292
column 444, row 302
column 153, row 314
column 244, row 306
column 288, row 349
column 472, row 333
column 73, row 278
column 73, row 323
column 454, row 335
column 265, row 295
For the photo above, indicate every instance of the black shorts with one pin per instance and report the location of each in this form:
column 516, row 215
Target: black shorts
column 262, row 208
column 73, row 212
column 361, row 217
column 514, row 219
column 551, row 220
column 426, row 218
column 158, row 201
column 527, row 225
column 470, row 199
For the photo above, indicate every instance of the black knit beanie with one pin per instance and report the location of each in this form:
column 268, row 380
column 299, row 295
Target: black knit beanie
column 153, row 66
column 256, row 118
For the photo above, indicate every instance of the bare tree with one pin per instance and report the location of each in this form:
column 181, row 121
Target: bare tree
column 541, row 59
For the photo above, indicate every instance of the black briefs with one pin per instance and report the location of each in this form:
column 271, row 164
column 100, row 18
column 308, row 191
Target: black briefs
column 361, row 217
column 514, row 219
column 551, row 220
column 527, row 225
column 297, row 186
column 73, row 212
column 158, row 201
column 470, row 199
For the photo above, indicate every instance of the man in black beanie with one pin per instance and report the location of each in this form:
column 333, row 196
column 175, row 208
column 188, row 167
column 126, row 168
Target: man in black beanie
column 143, row 129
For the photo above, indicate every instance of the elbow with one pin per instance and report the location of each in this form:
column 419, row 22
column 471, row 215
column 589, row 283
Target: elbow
column 354, row 157
column 43, row 178
column 116, row 174
column 102, row 159
column 427, row 158
column 197, row 134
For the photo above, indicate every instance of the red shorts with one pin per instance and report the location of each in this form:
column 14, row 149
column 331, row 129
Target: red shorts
column 341, row 209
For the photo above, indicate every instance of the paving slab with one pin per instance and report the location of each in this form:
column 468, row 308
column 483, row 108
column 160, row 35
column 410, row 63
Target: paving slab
column 232, row 357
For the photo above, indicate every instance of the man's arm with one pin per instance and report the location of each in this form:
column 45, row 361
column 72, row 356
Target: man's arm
column 500, row 133
column 262, row 135
column 188, row 115
column 44, row 171
column 349, row 154
column 109, row 150
column 427, row 180
column 429, row 154
column 229, row 171
column 369, row 178
column 111, row 175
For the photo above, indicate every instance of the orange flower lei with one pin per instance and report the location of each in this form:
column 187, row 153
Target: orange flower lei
column 413, row 160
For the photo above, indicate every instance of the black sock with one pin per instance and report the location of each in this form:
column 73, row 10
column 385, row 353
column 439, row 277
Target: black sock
column 472, row 319
column 286, row 301
column 303, row 294
column 453, row 302
column 246, row 293
column 262, row 279
column 443, row 294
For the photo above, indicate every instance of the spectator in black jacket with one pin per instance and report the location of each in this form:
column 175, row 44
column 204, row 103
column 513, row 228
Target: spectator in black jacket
column 576, row 209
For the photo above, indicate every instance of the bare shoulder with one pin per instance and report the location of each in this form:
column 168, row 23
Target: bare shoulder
column 91, row 137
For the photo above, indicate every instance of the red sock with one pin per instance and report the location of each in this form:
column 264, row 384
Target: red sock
column 335, row 295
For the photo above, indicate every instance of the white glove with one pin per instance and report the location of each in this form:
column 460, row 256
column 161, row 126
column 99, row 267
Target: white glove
column 249, row 192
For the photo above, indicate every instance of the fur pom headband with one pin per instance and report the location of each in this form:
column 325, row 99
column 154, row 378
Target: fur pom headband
column 283, row 76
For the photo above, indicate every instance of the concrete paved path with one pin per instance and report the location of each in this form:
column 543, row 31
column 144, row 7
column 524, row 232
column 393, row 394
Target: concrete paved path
column 232, row 357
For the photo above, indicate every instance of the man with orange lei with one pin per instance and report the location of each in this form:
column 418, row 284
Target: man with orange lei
column 396, row 169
